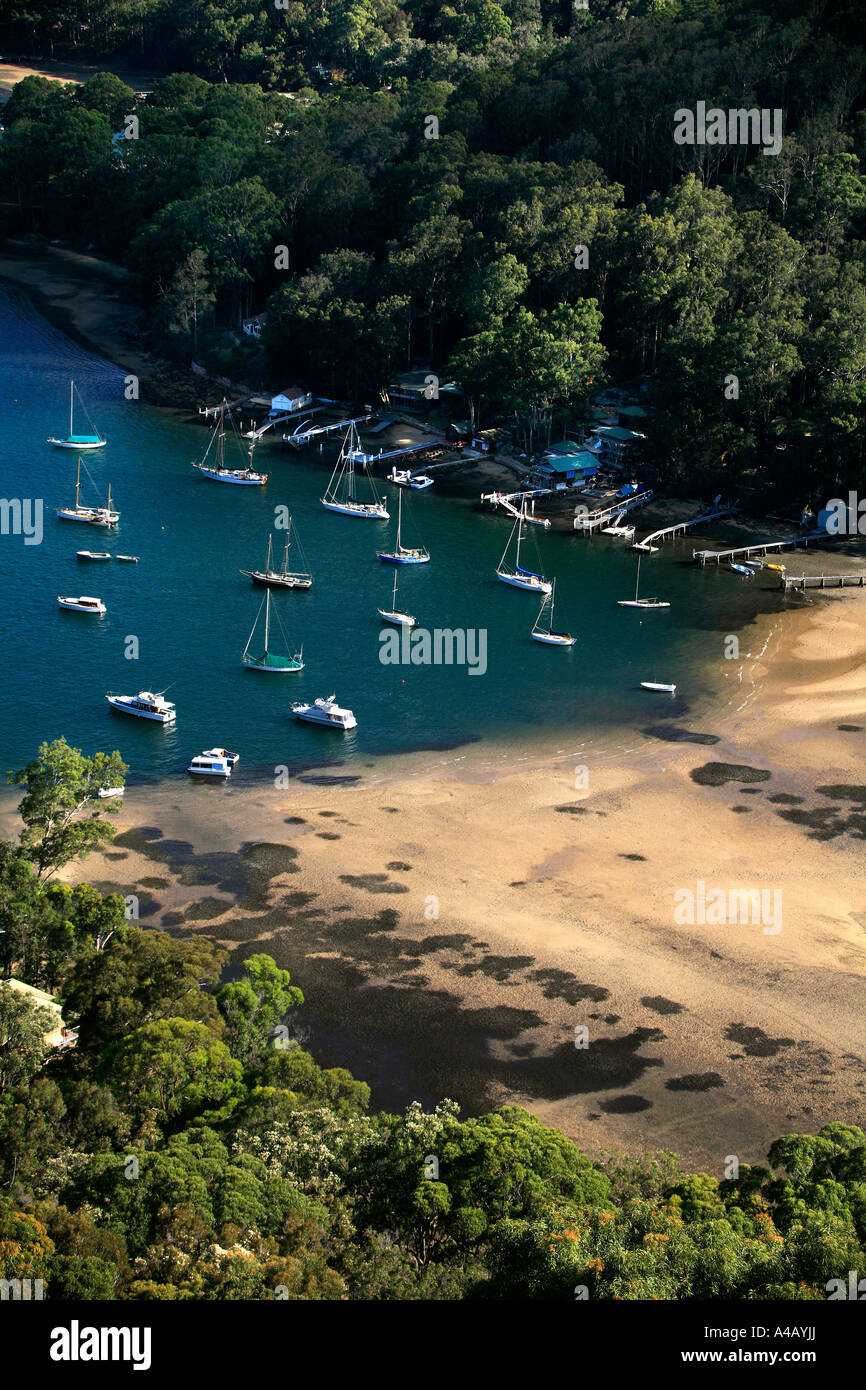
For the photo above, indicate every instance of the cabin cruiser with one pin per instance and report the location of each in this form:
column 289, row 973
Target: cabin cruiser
column 214, row 762
column 325, row 712
column 82, row 604
column 145, row 704
column 404, row 477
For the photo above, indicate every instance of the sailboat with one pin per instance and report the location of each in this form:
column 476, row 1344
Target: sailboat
column 270, row 661
column 95, row 516
column 519, row 577
column 217, row 471
column 394, row 614
column 339, row 494
column 282, row 578
column 541, row 634
column 641, row 602
column 79, row 441
column 403, row 555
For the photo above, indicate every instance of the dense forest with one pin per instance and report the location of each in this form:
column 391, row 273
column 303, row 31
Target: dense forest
column 189, row 1147
column 490, row 190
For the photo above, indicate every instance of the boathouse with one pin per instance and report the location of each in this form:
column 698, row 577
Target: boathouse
column 292, row 399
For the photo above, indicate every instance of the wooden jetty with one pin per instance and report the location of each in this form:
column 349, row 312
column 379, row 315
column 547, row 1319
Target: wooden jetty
column 593, row 520
column 822, row 581
column 716, row 557
column 680, row 527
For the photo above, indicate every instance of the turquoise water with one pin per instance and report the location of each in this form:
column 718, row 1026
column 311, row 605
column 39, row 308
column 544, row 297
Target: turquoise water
column 192, row 612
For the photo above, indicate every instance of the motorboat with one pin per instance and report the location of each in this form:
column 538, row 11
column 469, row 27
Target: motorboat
column 325, row 711
column 93, row 555
column 214, row 762
column 146, row 705
column 84, row 604
column 404, row 477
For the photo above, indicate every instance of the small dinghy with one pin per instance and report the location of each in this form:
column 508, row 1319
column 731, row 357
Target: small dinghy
column 128, row 559
column 658, row 685
column 742, row 569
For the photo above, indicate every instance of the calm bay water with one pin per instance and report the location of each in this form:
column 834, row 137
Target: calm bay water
column 191, row 610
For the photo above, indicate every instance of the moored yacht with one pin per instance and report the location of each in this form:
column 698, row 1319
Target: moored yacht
column 145, row 704
column 83, row 604
column 325, row 712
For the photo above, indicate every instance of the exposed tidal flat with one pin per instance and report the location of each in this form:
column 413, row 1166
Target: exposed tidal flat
column 487, row 863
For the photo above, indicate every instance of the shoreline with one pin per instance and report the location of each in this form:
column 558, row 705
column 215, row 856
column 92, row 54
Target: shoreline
column 451, row 925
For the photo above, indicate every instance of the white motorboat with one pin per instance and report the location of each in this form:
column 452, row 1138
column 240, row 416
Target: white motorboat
column 93, row 555
column 641, row 602
column 93, row 440
column 231, row 758
column 217, row 471
column 404, row 477
column 213, row 763
column 94, row 516
column 548, row 634
column 340, row 492
column 658, row 685
column 105, row 792
column 394, row 614
column 145, row 704
column 83, row 604
column 326, row 712
column 519, row 577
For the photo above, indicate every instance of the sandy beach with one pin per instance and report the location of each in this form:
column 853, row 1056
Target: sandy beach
column 454, row 923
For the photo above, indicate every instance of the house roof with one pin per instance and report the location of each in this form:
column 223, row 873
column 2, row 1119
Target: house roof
column 569, row 463
column 619, row 433
column 292, row 392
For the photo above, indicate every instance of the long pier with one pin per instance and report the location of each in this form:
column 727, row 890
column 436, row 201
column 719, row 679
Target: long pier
column 594, row 520
column 822, row 581
column 715, row 557
column 680, row 527
column 319, row 431
column 360, row 457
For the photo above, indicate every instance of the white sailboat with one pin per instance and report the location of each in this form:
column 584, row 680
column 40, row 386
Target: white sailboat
column 641, row 602
column 217, row 471
column 402, row 554
column 93, row 516
column 519, row 577
column 282, row 578
column 271, row 661
column 548, row 634
column 340, row 492
column 93, row 440
column 394, row 614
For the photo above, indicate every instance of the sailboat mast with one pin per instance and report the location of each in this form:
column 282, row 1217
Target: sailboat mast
column 221, row 437
column 286, row 554
column 71, row 389
column 637, row 579
column 268, row 560
column 399, row 519
column 77, row 481
column 267, row 618
column 394, row 595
